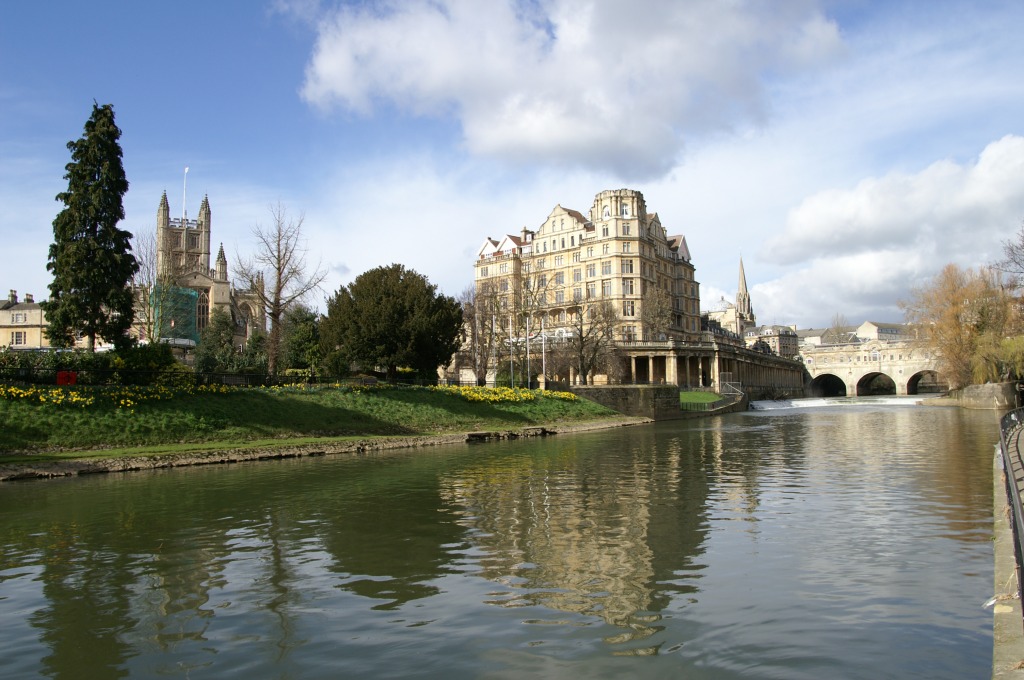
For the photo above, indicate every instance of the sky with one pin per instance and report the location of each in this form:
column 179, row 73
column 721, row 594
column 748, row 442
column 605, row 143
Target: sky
column 845, row 150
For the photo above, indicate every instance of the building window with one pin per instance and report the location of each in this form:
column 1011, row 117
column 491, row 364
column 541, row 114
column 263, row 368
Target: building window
column 542, row 280
column 560, row 279
column 577, row 275
column 628, row 287
column 483, row 271
column 629, row 333
column 591, row 269
column 504, row 285
column 576, row 256
column 625, row 228
column 572, row 241
column 577, row 294
column 627, row 266
column 193, row 240
column 605, row 249
column 606, row 288
column 591, row 290
column 18, row 338
column 543, row 298
column 503, row 268
column 540, row 263
column 626, row 247
column 202, row 311
column 607, row 213
column 604, row 230
column 559, row 260
column 559, row 296
column 625, row 210
column 628, row 308
column 590, row 251
column 563, row 241
column 19, row 317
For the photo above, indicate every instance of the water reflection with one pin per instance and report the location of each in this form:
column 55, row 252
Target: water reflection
column 759, row 545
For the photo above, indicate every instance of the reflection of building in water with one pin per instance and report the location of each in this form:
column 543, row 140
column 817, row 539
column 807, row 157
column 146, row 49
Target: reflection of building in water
column 566, row 537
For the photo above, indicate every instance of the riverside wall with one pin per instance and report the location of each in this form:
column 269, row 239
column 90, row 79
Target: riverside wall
column 658, row 402
column 993, row 396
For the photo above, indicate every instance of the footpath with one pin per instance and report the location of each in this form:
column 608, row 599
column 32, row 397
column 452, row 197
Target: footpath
column 1007, row 620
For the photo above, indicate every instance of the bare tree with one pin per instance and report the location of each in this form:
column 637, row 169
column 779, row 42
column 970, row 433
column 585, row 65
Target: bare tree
column 656, row 312
column 479, row 311
column 839, row 330
column 1013, row 257
column 278, row 274
column 591, row 337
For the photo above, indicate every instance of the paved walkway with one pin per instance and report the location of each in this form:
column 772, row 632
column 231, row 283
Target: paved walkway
column 1007, row 623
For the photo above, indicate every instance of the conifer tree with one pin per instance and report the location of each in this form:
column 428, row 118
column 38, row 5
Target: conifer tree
column 90, row 257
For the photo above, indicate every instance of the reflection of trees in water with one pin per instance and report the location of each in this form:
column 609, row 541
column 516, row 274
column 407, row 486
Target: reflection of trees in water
column 607, row 527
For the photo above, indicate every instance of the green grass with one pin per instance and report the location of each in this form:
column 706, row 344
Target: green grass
column 698, row 397
column 188, row 421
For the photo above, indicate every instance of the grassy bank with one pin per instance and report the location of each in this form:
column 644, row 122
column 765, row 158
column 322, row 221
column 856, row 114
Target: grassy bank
column 41, row 419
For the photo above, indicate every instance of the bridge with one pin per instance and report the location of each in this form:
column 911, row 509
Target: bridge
column 871, row 368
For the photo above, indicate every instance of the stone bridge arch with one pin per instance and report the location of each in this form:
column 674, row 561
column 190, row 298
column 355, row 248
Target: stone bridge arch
column 827, row 385
column 876, row 383
column 927, row 382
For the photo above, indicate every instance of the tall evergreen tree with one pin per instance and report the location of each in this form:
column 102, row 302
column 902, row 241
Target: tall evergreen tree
column 90, row 258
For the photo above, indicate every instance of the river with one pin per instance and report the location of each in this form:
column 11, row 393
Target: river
column 847, row 540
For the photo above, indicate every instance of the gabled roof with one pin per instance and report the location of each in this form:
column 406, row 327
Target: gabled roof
column 678, row 244
column 489, row 247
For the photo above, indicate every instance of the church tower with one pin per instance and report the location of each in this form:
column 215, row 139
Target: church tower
column 744, row 311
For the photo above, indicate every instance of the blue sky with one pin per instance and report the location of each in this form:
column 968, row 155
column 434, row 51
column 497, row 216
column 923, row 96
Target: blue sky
column 845, row 150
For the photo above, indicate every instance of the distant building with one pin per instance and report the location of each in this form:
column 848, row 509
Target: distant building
column 22, row 323
column 735, row 318
column 779, row 340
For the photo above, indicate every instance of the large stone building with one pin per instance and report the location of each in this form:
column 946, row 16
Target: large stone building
column 620, row 256
column 188, row 290
column 620, row 253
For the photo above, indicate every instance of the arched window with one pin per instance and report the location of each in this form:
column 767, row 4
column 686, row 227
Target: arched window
column 202, row 311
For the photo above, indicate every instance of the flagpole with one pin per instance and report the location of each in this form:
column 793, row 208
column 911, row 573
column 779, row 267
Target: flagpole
column 184, row 192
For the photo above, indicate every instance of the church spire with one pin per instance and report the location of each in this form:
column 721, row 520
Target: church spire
column 743, row 296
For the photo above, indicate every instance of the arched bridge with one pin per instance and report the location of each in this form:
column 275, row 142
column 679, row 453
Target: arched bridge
column 873, row 367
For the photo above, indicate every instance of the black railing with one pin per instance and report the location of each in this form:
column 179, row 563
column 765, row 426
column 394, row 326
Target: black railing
column 1011, row 428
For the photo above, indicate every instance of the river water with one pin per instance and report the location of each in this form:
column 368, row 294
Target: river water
column 846, row 541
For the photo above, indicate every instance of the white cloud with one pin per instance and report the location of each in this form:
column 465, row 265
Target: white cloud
column 614, row 85
column 946, row 205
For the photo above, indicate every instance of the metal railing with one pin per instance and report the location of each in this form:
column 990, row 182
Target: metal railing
column 1011, row 428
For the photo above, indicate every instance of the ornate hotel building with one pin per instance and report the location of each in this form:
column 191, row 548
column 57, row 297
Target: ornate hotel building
column 620, row 253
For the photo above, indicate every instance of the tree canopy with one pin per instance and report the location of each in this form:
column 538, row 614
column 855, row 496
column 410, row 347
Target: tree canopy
column 392, row 317
column 969, row 319
column 278, row 274
column 91, row 258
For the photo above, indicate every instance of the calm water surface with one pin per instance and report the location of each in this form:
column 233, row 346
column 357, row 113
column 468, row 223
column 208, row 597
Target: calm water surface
column 849, row 542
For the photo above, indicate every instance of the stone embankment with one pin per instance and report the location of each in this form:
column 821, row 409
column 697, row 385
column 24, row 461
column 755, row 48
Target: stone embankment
column 142, row 461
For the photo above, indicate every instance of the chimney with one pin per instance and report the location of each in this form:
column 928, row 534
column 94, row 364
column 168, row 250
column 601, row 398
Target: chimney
column 13, row 297
column 28, row 299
